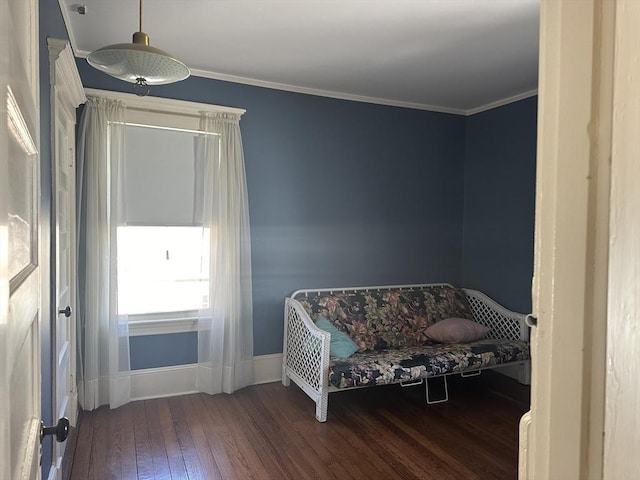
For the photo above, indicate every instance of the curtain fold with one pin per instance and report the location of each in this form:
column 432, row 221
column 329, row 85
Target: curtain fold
column 225, row 327
column 103, row 335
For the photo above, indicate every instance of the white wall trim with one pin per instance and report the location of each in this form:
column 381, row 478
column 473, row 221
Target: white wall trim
column 162, row 327
column 163, row 381
column 63, row 72
column 164, row 105
column 326, row 93
column 267, row 368
column 181, row 379
column 565, row 428
column 504, row 101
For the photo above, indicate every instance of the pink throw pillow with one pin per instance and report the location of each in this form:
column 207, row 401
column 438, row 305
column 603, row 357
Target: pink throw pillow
column 456, row 330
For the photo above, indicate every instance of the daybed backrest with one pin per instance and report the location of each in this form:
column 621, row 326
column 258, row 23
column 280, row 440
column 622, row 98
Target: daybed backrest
column 386, row 317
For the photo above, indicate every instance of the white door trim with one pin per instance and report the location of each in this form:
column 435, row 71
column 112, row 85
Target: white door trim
column 65, row 95
column 562, row 435
column 622, row 435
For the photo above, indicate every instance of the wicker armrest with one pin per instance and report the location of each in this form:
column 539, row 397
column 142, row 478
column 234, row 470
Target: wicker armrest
column 306, row 347
column 502, row 322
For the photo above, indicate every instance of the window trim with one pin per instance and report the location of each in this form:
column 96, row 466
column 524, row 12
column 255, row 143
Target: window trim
column 159, row 107
column 162, row 323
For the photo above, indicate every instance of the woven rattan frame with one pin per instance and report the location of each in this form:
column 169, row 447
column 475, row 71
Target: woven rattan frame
column 502, row 322
column 305, row 357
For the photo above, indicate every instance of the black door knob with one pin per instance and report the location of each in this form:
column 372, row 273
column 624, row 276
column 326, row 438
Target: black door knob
column 66, row 311
column 61, row 430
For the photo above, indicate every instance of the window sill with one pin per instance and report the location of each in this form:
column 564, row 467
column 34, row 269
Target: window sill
column 162, row 326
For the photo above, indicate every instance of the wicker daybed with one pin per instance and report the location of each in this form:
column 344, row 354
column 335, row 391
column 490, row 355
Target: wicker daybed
column 387, row 325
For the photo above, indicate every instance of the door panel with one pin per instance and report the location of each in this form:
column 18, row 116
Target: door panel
column 26, row 426
column 20, row 282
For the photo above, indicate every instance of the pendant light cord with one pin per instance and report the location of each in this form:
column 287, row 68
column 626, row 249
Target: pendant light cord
column 140, row 21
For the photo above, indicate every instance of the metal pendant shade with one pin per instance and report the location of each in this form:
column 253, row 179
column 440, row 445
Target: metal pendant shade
column 138, row 62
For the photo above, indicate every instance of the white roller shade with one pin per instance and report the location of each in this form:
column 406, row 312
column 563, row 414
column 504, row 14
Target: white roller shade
column 160, row 177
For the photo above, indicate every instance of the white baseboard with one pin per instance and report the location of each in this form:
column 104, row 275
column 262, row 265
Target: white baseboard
column 73, row 408
column 267, row 368
column 181, row 379
column 163, row 382
column 522, row 373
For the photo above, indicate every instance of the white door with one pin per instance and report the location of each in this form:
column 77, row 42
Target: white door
column 64, row 220
column 66, row 95
column 20, row 294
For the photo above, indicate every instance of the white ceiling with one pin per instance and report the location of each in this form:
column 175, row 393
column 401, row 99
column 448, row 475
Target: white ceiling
column 458, row 56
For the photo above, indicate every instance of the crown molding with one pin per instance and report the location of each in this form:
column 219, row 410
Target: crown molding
column 325, row 93
column 500, row 103
column 63, row 72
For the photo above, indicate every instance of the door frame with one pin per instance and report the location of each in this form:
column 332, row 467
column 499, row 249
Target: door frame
column 562, row 435
column 622, row 437
column 66, row 94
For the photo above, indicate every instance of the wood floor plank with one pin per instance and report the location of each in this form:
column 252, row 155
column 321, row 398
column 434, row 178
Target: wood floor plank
column 384, row 445
column 341, row 450
column 142, row 441
column 282, row 435
column 129, row 447
column 69, row 452
column 189, row 453
column 270, row 432
column 82, row 454
column 268, row 455
column 195, row 420
column 318, row 443
column 99, row 445
column 159, row 457
column 214, row 432
column 245, row 463
column 170, row 440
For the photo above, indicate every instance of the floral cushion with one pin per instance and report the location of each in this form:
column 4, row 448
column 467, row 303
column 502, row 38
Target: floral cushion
column 387, row 318
column 412, row 363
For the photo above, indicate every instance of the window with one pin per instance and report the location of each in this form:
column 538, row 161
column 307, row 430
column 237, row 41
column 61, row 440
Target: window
column 162, row 269
column 163, row 249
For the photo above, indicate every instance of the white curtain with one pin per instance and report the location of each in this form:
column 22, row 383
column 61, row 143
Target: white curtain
column 225, row 328
column 103, row 336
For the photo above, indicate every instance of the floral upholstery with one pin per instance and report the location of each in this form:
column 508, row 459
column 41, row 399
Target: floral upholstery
column 387, row 318
column 413, row 363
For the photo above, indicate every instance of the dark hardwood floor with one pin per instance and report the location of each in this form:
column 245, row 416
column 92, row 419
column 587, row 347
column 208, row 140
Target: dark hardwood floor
column 270, row 432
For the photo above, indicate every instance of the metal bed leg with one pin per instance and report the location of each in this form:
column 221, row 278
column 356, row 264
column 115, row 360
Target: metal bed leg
column 446, row 391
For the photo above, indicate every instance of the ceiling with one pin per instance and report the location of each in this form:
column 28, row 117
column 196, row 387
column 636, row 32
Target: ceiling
column 457, row 56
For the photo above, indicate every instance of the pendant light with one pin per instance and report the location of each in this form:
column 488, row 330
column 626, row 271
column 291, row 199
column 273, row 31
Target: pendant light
column 138, row 62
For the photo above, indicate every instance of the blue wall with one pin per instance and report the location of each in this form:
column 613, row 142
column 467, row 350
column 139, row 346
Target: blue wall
column 152, row 351
column 347, row 193
column 499, row 200
column 340, row 193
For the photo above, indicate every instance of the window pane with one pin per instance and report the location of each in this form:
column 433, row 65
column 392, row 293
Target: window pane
column 162, row 269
